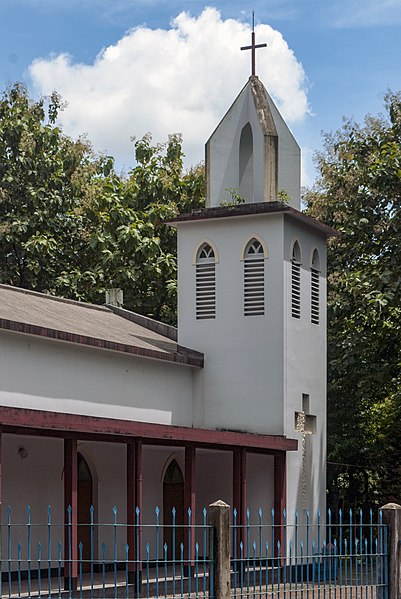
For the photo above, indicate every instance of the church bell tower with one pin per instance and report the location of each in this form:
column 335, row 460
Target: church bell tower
column 252, row 291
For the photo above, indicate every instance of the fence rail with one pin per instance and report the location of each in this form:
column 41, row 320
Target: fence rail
column 340, row 557
column 334, row 557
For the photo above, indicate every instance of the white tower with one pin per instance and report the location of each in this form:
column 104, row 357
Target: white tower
column 252, row 293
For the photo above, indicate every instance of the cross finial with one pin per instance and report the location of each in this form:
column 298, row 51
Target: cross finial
column 253, row 46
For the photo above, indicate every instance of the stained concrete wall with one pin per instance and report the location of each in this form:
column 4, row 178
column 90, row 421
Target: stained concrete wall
column 223, row 150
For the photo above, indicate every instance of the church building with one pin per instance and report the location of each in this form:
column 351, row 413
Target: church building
column 101, row 406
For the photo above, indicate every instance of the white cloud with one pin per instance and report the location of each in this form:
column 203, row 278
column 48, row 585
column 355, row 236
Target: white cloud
column 182, row 79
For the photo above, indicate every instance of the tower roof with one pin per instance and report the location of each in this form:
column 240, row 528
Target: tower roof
column 252, row 153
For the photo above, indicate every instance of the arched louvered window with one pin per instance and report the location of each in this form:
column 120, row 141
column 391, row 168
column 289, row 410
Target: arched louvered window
column 205, row 283
column 314, row 288
column 296, row 281
column 254, row 279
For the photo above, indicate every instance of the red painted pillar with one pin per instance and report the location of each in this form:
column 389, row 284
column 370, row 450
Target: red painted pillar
column 131, row 505
column 70, row 500
column 1, row 500
column 279, row 495
column 243, row 496
column 190, row 499
column 236, row 482
column 138, row 504
column 1, row 469
column 239, row 492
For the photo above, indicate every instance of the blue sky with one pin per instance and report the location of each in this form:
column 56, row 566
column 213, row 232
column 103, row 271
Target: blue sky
column 126, row 67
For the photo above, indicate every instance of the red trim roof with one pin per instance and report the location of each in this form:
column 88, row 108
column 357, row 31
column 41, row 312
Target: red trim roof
column 101, row 327
column 20, row 420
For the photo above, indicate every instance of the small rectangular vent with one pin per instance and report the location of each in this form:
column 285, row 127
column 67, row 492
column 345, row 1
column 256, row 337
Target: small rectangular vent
column 295, row 290
column 205, row 291
column 254, row 287
column 314, row 317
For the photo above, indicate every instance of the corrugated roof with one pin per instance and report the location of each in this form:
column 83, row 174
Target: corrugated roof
column 44, row 315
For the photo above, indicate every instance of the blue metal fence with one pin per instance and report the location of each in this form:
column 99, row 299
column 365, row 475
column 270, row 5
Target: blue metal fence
column 338, row 558
column 331, row 557
column 37, row 562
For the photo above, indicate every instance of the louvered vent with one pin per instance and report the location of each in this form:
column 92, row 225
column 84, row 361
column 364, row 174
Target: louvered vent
column 295, row 289
column 314, row 316
column 206, row 284
column 254, row 279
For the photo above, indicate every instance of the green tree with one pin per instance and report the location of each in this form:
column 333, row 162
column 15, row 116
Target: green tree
column 132, row 247
column 70, row 225
column 359, row 194
column 44, row 177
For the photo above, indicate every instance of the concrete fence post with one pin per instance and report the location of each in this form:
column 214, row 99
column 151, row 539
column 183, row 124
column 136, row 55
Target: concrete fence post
column 219, row 541
column 392, row 517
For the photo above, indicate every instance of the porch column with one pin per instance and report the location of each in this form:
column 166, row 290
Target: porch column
column 190, row 499
column 138, row 504
column 239, row 492
column 131, row 506
column 70, row 501
column 279, row 494
column 1, row 501
column 1, row 471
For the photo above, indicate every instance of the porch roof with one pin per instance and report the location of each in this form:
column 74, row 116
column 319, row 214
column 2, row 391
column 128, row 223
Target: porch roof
column 55, row 424
column 103, row 327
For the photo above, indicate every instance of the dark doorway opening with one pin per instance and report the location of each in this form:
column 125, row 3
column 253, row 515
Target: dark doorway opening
column 85, row 501
column 173, row 497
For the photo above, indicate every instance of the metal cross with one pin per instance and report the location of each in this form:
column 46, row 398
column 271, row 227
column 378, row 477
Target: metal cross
column 253, row 46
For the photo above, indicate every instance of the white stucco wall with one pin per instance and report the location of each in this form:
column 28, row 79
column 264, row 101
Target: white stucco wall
column 305, row 373
column 258, row 367
column 260, row 486
column 242, row 380
column 67, row 378
column 37, row 481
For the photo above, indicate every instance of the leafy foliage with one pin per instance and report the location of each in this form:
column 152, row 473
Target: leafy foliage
column 69, row 224
column 359, row 194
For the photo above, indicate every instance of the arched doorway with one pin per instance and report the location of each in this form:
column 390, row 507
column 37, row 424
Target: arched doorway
column 85, row 501
column 173, row 497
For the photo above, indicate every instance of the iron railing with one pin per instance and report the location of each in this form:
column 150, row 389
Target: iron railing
column 338, row 558
column 38, row 558
column 304, row 557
